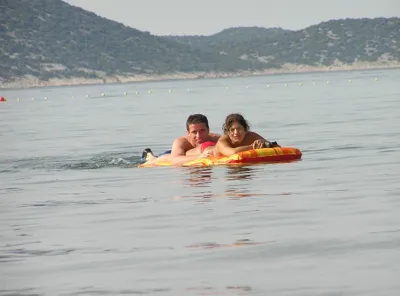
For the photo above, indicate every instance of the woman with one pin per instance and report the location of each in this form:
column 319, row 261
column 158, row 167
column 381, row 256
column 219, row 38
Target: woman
column 238, row 137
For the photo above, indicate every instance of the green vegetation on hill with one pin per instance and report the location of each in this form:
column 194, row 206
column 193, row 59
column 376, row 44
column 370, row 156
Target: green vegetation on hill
column 230, row 36
column 345, row 41
column 52, row 39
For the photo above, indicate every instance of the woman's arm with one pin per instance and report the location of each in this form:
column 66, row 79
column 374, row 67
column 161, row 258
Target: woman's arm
column 224, row 147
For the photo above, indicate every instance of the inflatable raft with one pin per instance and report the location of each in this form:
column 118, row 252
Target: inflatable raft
column 263, row 155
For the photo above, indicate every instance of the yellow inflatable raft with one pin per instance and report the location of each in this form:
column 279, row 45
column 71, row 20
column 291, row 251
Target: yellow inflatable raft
column 263, row 155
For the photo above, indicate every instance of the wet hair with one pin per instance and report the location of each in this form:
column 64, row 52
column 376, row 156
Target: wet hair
column 231, row 119
column 195, row 119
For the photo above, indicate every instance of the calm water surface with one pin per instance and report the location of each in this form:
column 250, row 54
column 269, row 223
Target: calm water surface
column 77, row 217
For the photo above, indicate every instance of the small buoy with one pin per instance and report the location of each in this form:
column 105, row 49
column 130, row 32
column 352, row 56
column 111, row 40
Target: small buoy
column 18, row 99
column 87, row 96
column 149, row 91
column 102, row 94
column 376, row 79
column 137, row 92
column 45, row 98
column 3, row 99
column 125, row 93
column 33, row 99
column 327, row 82
column 350, row 80
column 300, row 84
column 267, row 85
column 188, row 89
column 286, row 84
column 170, row 90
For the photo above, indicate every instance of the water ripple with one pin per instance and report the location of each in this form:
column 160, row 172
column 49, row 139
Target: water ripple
column 63, row 203
column 68, row 163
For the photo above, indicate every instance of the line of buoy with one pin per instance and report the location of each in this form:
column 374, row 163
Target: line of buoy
column 3, row 99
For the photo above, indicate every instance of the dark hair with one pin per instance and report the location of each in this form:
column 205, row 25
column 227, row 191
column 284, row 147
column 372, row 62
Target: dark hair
column 196, row 118
column 234, row 117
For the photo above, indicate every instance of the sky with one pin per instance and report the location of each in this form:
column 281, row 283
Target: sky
column 207, row 17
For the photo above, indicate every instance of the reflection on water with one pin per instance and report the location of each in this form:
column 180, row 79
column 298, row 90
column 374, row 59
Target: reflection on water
column 240, row 173
column 238, row 243
column 237, row 182
column 202, row 176
column 236, row 290
column 198, row 176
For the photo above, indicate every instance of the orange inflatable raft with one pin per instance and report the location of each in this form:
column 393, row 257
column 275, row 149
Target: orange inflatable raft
column 263, row 155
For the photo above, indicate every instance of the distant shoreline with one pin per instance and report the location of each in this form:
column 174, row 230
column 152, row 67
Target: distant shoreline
column 29, row 82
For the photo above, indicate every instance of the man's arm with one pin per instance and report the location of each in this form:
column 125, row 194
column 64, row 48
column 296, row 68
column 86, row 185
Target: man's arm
column 178, row 152
column 194, row 151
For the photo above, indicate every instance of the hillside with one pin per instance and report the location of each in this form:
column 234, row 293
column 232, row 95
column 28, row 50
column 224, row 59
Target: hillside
column 228, row 36
column 50, row 39
column 328, row 43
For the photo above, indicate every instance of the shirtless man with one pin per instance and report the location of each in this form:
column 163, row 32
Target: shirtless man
column 188, row 147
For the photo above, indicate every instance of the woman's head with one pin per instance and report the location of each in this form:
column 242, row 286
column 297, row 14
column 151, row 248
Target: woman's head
column 235, row 127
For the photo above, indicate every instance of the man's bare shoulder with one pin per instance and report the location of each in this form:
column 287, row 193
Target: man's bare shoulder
column 181, row 140
column 181, row 143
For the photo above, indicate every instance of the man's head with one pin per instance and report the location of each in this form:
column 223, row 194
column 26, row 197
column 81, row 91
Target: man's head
column 195, row 119
column 197, row 129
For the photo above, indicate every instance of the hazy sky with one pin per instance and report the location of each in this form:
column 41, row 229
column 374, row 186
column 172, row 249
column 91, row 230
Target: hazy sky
column 206, row 17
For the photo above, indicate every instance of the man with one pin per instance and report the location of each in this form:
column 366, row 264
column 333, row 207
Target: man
column 188, row 147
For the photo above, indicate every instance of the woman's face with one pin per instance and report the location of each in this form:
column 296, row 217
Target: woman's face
column 236, row 133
